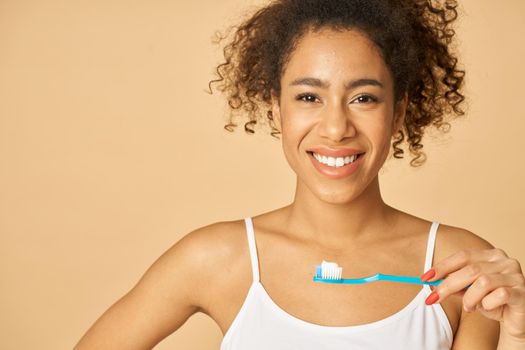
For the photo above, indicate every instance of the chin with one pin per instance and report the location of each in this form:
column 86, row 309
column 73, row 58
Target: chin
column 338, row 196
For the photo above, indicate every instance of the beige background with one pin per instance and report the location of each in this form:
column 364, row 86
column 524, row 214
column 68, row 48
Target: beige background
column 110, row 151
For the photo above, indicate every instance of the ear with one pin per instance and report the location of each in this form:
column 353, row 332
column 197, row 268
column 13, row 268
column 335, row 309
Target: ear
column 399, row 114
column 276, row 111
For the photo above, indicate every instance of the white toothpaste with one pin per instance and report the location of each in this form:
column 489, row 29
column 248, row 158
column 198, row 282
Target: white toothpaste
column 330, row 270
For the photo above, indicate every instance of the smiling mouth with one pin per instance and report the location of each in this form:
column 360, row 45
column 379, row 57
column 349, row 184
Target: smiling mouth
column 335, row 162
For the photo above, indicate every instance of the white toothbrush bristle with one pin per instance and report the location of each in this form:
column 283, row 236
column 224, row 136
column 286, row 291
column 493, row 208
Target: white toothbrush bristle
column 330, row 270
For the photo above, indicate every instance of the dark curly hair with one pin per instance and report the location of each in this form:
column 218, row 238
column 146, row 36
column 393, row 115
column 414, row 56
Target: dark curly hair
column 414, row 38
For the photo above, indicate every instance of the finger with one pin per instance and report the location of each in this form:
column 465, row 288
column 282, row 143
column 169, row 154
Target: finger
column 485, row 285
column 514, row 298
column 497, row 298
column 459, row 280
column 463, row 258
column 494, row 314
column 506, row 305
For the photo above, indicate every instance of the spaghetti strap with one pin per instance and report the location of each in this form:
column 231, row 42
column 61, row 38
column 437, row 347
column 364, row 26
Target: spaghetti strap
column 430, row 245
column 252, row 247
column 255, row 263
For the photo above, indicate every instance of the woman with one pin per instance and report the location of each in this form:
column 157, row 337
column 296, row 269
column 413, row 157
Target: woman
column 343, row 82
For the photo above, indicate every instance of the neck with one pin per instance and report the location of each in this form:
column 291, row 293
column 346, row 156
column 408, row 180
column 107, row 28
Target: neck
column 339, row 224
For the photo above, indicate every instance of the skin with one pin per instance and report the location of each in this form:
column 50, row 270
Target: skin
column 342, row 220
column 497, row 289
column 338, row 212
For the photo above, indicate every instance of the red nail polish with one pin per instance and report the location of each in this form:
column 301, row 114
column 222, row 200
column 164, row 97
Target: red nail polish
column 428, row 275
column 432, row 298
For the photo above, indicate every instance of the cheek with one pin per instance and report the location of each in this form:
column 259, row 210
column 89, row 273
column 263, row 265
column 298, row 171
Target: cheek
column 383, row 136
column 295, row 125
column 381, row 131
column 378, row 135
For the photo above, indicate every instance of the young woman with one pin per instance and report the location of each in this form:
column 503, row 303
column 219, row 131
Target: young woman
column 343, row 82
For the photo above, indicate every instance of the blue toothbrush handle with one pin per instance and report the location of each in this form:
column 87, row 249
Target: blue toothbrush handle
column 406, row 279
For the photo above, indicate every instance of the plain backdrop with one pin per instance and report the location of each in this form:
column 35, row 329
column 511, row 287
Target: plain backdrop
column 111, row 151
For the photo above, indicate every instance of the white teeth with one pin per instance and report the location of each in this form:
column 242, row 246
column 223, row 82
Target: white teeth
column 335, row 162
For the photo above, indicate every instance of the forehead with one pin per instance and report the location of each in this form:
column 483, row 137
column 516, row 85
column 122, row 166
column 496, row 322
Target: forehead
column 329, row 54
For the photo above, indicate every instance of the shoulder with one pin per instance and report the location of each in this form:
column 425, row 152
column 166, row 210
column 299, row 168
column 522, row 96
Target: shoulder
column 449, row 239
column 452, row 239
column 211, row 253
column 218, row 241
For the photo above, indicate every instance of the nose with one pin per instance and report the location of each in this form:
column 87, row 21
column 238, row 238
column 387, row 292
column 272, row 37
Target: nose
column 336, row 122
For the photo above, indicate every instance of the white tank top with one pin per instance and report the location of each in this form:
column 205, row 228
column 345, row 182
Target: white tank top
column 263, row 325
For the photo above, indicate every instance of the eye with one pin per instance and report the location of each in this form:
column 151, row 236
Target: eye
column 307, row 98
column 366, row 99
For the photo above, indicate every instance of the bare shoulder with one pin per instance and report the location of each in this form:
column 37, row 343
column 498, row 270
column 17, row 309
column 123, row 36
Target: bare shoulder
column 210, row 253
column 221, row 256
column 451, row 239
column 217, row 240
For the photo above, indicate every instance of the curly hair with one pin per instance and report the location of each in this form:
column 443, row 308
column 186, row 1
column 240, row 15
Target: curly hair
column 413, row 36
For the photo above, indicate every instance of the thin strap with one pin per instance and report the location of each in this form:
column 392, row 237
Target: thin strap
column 253, row 249
column 430, row 245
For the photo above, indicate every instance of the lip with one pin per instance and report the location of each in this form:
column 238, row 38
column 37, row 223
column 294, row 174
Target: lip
column 334, row 152
column 339, row 172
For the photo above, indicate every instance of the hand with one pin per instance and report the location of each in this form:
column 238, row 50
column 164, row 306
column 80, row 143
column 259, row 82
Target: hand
column 497, row 286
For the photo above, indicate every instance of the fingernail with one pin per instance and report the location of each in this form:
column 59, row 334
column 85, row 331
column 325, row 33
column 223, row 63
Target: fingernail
column 466, row 308
column 428, row 275
column 432, row 298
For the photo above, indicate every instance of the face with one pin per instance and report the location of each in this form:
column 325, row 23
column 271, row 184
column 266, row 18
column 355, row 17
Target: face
column 336, row 100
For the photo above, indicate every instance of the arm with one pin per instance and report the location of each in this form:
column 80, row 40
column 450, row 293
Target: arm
column 169, row 292
column 493, row 314
column 475, row 331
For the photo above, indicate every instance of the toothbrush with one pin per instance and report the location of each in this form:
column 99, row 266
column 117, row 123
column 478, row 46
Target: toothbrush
column 330, row 272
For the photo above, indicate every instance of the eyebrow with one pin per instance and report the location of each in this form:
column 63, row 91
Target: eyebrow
column 323, row 84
